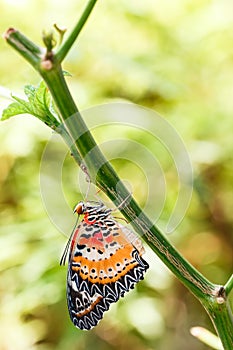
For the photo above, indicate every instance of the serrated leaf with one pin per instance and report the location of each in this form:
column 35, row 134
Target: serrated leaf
column 29, row 91
column 23, row 103
column 42, row 98
column 39, row 104
column 13, row 109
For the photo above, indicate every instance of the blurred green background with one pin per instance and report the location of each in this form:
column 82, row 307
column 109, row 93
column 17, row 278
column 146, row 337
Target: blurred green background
column 175, row 57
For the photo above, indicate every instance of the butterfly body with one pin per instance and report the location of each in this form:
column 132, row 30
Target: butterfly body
column 104, row 262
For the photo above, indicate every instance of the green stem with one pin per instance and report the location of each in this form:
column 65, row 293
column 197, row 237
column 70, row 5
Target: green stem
column 68, row 140
column 64, row 49
column 229, row 285
column 222, row 319
column 30, row 51
column 71, row 118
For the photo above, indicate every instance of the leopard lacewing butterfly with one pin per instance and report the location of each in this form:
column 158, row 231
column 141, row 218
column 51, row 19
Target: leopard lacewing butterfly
column 105, row 261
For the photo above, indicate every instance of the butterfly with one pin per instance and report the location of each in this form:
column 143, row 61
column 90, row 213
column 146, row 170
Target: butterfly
column 105, row 261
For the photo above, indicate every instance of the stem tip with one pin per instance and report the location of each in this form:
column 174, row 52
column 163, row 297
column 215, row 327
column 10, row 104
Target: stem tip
column 9, row 32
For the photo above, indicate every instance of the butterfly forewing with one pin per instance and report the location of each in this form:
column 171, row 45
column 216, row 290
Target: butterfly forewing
column 104, row 262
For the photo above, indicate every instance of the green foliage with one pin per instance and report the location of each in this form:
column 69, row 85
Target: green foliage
column 39, row 104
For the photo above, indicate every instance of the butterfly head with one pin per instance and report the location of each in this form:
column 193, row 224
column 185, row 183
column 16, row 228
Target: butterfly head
column 80, row 208
column 89, row 207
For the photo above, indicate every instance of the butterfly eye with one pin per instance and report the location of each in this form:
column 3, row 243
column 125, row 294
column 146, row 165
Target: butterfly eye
column 79, row 208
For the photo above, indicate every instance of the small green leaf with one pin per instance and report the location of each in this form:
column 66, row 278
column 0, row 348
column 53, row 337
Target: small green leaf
column 13, row 109
column 66, row 74
column 49, row 40
column 29, row 91
column 39, row 103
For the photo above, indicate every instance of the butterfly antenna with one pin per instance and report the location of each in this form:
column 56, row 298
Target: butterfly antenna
column 67, row 247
